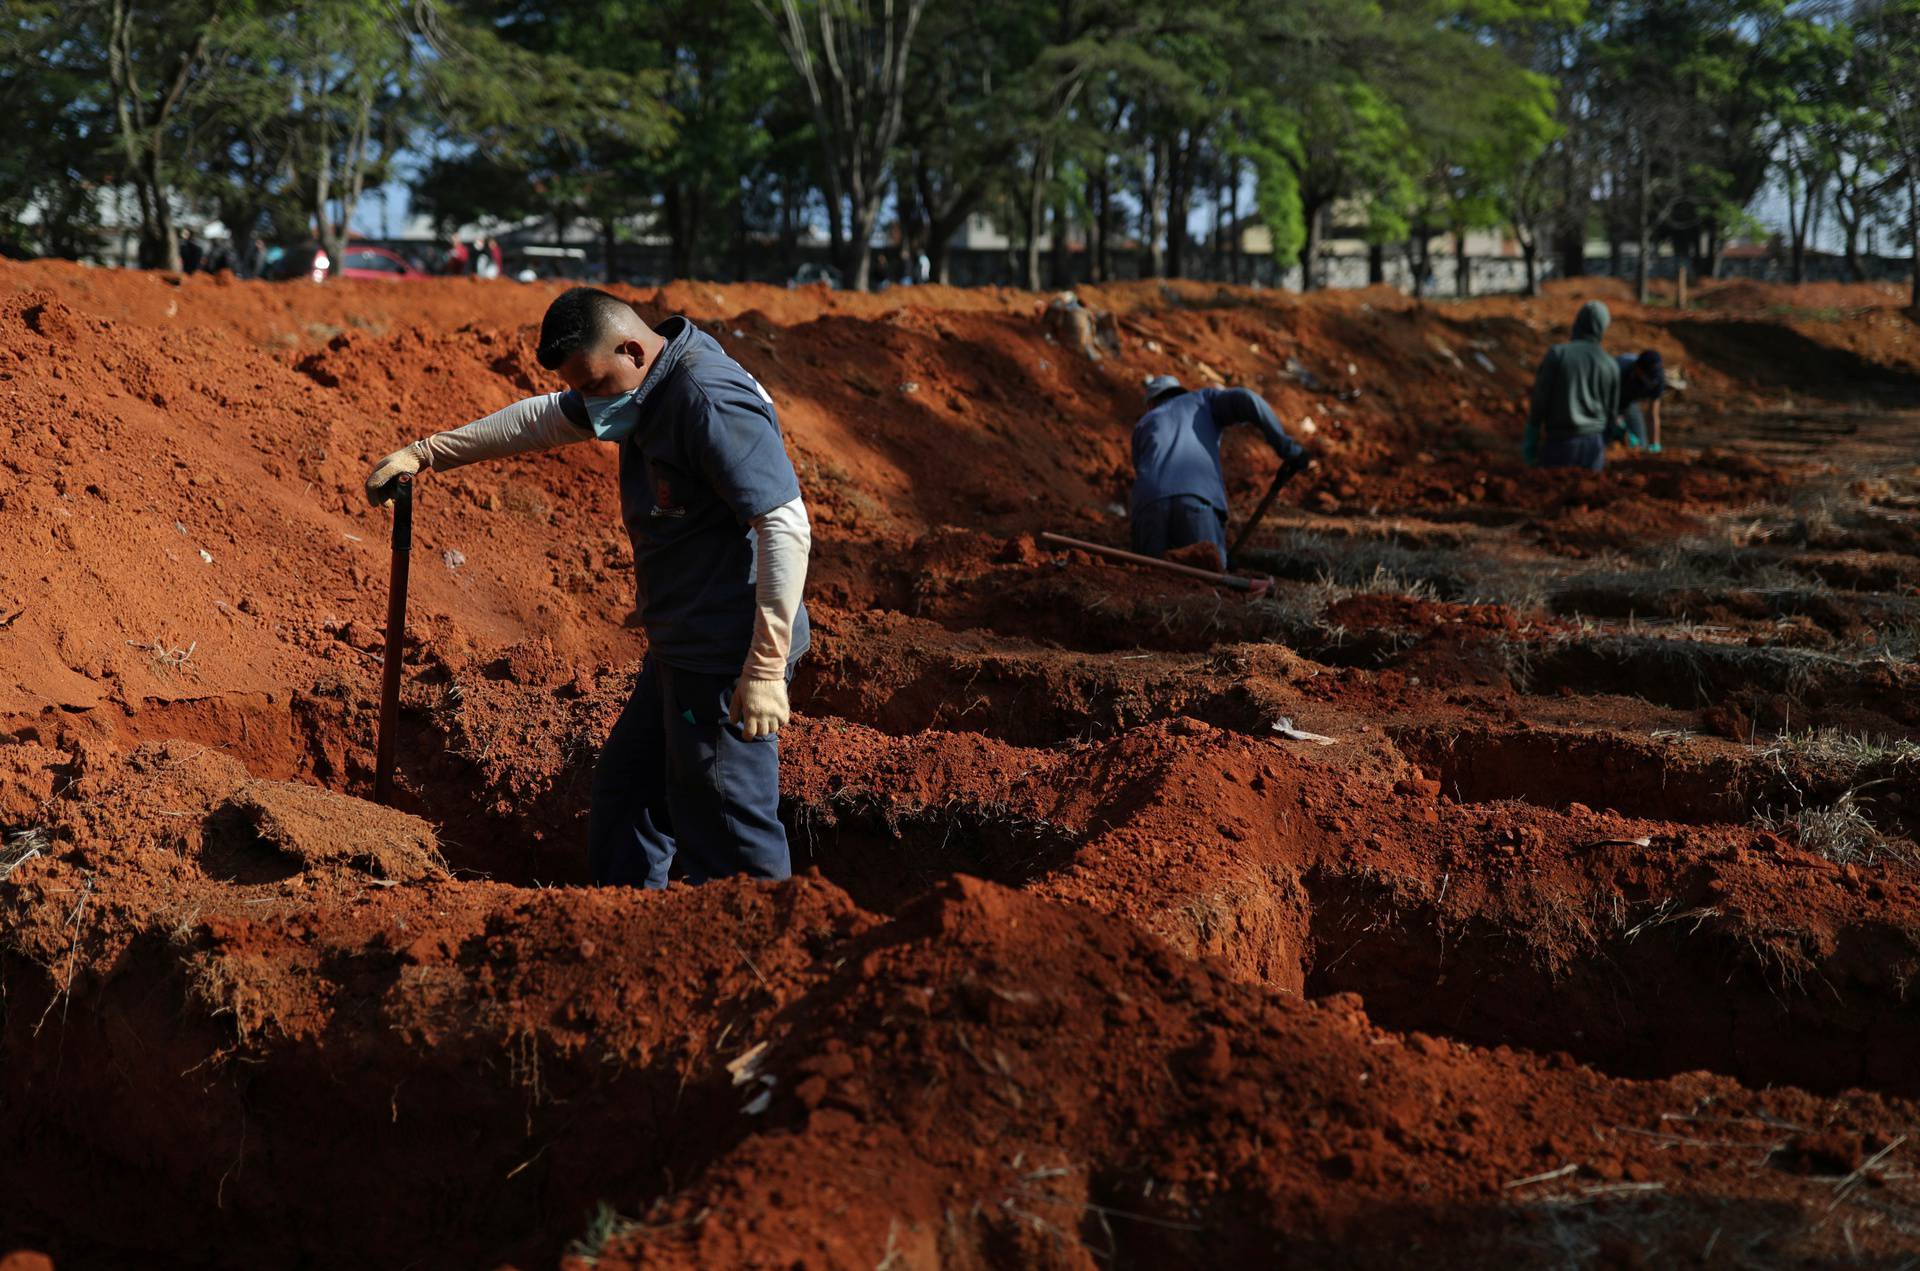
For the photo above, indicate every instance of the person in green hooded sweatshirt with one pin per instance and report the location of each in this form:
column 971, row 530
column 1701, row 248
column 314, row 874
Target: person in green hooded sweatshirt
column 1576, row 395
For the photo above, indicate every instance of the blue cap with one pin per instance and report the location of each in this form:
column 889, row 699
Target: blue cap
column 1159, row 386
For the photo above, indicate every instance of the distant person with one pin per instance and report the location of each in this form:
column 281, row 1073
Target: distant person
column 498, row 257
column 457, row 259
column 484, row 263
column 1576, row 396
column 190, row 253
column 254, row 263
column 1642, row 379
column 720, row 544
column 219, row 258
column 1179, row 491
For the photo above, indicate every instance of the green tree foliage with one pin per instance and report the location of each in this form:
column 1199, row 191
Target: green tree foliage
column 851, row 58
column 1886, row 65
column 661, row 113
column 727, row 124
column 58, row 152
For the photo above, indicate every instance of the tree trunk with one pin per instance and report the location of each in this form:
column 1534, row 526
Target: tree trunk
column 1530, row 252
column 166, row 238
column 1097, row 225
column 1680, row 282
column 1220, row 233
column 1106, row 222
column 143, row 134
column 679, row 231
column 320, row 192
column 789, row 227
column 1800, row 220
column 1644, row 231
column 836, row 236
column 1418, row 249
column 1913, row 223
column 1061, row 279
column 1572, row 248
column 1462, row 267
column 1179, row 194
column 943, row 222
column 1035, row 212
column 739, row 253
column 1235, row 228
column 912, row 227
column 609, row 264
column 865, row 217
column 1376, row 264
column 1155, row 179
column 1570, row 223
column 1310, row 245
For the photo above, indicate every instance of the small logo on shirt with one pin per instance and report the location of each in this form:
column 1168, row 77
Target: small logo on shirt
column 663, row 504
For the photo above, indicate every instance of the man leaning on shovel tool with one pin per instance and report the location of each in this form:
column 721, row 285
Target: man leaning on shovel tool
column 720, row 544
column 1179, row 492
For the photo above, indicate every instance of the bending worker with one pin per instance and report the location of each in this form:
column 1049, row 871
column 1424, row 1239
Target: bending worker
column 1642, row 379
column 1179, row 493
column 720, row 544
column 1576, row 394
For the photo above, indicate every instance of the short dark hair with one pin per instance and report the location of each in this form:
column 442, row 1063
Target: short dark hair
column 579, row 317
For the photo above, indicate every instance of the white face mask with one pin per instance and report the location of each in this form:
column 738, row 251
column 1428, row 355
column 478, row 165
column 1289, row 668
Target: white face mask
column 613, row 418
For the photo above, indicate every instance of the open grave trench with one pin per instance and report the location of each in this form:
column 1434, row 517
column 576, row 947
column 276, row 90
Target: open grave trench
column 1641, row 967
column 1633, row 945
column 1516, row 916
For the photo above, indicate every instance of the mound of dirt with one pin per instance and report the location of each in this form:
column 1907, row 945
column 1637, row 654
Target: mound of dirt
column 1760, row 297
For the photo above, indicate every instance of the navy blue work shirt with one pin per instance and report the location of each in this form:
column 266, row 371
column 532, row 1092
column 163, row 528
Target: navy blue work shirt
column 1176, row 445
column 705, row 459
column 1634, row 387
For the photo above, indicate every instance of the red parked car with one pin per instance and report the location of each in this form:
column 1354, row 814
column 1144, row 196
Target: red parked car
column 363, row 260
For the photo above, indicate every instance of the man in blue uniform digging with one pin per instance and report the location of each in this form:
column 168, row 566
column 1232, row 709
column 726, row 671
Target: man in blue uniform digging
column 720, row 543
column 1179, row 492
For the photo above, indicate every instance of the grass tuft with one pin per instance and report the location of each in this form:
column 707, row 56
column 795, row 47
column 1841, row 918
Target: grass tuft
column 1853, row 751
column 1840, row 831
column 606, row 1227
column 22, row 846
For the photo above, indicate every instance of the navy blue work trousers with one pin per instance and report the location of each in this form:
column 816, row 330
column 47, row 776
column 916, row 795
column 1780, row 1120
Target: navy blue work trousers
column 676, row 780
column 1165, row 524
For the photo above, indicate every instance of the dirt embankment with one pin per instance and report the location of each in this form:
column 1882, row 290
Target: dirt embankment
column 1591, row 939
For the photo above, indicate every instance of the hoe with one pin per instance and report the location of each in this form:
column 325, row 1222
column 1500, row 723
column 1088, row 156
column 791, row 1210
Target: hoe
column 399, row 492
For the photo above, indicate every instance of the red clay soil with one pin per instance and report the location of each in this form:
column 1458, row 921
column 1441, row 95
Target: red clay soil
column 1590, row 940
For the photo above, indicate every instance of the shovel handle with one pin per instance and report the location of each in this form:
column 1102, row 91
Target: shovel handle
column 400, row 494
column 1280, row 478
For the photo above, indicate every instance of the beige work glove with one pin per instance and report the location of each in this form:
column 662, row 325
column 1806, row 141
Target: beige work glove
column 403, row 462
column 759, row 707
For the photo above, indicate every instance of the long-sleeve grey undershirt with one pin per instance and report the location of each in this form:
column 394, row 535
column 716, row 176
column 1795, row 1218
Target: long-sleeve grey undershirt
column 783, row 538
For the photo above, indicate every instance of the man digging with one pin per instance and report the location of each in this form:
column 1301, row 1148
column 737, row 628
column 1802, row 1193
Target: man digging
column 720, row 545
column 1179, row 491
